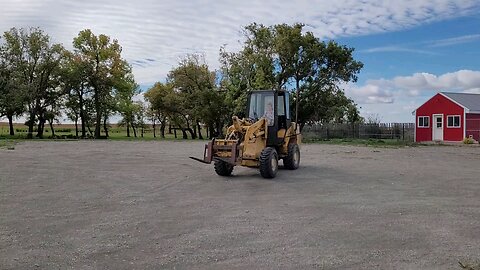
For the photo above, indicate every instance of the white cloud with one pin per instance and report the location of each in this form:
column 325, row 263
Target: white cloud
column 369, row 93
column 163, row 31
column 472, row 91
column 396, row 48
column 454, row 40
column 461, row 80
column 394, row 99
column 424, row 47
column 385, row 91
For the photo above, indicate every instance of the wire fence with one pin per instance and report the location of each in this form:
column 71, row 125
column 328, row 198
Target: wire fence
column 398, row 131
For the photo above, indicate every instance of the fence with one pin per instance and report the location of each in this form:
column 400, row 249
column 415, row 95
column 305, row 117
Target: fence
column 398, row 131
column 473, row 126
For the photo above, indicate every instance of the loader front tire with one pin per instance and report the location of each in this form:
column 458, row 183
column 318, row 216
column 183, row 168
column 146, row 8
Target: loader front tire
column 292, row 160
column 268, row 162
column 223, row 168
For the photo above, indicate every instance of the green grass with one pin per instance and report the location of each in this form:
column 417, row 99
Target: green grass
column 68, row 132
column 7, row 144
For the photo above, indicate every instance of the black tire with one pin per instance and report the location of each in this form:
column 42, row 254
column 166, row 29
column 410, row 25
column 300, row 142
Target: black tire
column 223, row 168
column 292, row 160
column 269, row 162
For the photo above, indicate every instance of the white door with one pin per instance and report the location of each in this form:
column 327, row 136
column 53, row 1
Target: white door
column 438, row 127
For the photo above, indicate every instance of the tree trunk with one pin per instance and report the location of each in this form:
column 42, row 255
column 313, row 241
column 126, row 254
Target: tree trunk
column 192, row 133
column 76, row 127
column 134, row 130
column 82, row 115
column 31, row 123
column 153, row 126
column 98, row 111
column 41, row 125
column 194, row 136
column 89, row 130
column 162, row 129
column 219, row 129
column 199, row 131
column 98, row 124
column 195, row 130
column 128, row 129
column 105, row 127
column 51, row 127
column 142, row 130
column 184, row 134
column 211, row 129
column 10, row 123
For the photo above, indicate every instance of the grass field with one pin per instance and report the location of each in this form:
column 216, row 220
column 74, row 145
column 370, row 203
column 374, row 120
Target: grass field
column 7, row 143
column 67, row 131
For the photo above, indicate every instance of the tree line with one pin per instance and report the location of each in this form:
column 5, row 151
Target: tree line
column 41, row 80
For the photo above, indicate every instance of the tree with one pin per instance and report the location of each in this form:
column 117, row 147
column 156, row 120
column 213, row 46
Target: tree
column 125, row 91
column 104, row 70
column 169, row 104
column 158, row 98
column 152, row 116
column 283, row 56
column 189, row 99
column 325, row 103
column 35, row 65
column 74, row 76
column 139, row 114
column 202, row 100
column 12, row 98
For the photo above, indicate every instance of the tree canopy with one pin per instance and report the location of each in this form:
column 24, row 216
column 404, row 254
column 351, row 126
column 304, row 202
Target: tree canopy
column 285, row 57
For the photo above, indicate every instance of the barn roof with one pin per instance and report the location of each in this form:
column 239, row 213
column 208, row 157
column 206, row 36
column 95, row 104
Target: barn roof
column 469, row 101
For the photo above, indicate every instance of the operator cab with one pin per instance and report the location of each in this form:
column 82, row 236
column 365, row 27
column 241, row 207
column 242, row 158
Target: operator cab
column 275, row 107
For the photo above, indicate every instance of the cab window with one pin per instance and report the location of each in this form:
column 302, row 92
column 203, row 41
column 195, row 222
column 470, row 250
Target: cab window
column 261, row 105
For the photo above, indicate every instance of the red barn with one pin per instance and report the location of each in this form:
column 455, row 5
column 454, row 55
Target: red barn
column 448, row 117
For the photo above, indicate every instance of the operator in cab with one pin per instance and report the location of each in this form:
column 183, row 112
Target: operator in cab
column 269, row 113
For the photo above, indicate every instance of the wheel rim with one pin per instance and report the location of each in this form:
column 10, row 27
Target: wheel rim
column 296, row 157
column 274, row 163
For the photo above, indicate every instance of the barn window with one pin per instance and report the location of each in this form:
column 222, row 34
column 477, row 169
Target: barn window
column 453, row 121
column 424, row 121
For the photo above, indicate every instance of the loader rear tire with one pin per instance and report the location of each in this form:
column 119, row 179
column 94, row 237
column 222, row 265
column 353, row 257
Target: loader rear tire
column 223, row 168
column 269, row 162
column 292, row 160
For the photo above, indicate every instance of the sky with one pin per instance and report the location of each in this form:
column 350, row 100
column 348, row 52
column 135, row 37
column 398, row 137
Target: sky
column 410, row 49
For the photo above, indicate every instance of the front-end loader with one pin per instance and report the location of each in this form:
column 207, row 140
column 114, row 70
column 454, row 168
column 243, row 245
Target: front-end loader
column 266, row 136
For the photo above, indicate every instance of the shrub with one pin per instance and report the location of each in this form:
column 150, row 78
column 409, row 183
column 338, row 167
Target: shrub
column 468, row 140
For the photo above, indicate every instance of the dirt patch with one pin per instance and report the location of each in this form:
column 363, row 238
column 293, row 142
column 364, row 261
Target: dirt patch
column 145, row 205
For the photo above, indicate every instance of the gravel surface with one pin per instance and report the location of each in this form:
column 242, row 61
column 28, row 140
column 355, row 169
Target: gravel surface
column 145, row 205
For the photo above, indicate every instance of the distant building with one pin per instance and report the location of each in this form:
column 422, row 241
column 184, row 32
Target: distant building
column 448, row 117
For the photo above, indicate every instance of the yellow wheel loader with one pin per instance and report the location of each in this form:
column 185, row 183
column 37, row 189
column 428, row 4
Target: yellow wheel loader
column 266, row 136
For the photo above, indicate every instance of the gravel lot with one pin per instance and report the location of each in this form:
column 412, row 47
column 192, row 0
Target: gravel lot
column 145, row 205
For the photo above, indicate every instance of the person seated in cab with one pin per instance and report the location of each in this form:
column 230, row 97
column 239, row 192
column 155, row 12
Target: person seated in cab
column 269, row 113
